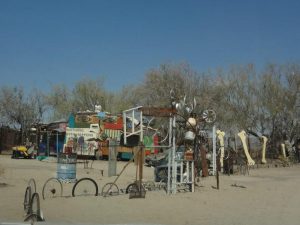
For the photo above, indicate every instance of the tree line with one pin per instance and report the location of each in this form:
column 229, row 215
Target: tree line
column 263, row 101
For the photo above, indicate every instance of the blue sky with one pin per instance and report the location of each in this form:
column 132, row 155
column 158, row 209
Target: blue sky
column 49, row 42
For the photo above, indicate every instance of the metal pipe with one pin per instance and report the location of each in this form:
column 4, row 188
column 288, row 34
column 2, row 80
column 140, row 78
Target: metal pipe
column 214, row 150
column 169, row 157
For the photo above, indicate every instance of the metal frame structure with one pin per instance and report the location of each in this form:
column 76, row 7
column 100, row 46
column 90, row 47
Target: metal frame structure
column 172, row 164
column 132, row 112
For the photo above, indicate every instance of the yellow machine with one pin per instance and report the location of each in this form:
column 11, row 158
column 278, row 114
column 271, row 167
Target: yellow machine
column 22, row 152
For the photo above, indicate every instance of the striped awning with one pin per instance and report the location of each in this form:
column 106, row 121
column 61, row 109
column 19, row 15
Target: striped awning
column 114, row 134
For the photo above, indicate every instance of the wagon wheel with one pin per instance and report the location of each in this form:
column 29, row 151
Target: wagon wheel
column 52, row 188
column 85, row 187
column 110, row 189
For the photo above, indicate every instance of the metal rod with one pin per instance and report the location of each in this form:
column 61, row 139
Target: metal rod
column 169, row 158
column 141, row 127
column 124, row 127
column 174, row 164
column 214, row 150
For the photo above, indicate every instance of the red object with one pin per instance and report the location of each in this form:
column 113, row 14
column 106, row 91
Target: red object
column 113, row 126
column 118, row 125
column 68, row 150
column 147, row 152
column 155, row 143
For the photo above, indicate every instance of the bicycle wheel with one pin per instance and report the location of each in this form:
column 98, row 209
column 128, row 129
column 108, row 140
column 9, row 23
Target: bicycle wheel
column 85, row 187
column 32, row 184
column 52, row 188
column 34, row 214
column 27, row 199
column 110, row 189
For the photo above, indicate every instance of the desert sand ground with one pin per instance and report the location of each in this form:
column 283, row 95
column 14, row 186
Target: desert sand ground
column 266, row 196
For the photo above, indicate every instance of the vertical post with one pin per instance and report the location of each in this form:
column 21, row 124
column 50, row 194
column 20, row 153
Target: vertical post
column 174, row 164
column 57, row 143
column 141, row 126
column 124, row 127
column 218, row 180
column 48, row 148
column 214, row 150
column 141, row 152
column 193, row 177
column 181, row 171
column 132, row 121
column 170, row 156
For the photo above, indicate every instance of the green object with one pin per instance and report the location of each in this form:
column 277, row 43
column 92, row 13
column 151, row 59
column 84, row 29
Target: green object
column 126, row 155
column 41, row 157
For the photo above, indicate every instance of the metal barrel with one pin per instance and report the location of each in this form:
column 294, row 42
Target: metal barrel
column 66, row 167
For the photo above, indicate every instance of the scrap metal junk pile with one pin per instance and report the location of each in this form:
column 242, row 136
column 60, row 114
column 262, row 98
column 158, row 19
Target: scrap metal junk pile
column 178, row 127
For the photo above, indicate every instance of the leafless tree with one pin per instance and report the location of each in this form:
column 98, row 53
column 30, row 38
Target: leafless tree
column 21, row 110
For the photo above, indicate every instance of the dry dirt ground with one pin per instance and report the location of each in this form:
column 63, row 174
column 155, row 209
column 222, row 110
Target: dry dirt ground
column 266, row 196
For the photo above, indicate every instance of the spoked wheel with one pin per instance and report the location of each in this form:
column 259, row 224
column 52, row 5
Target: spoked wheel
column 52, row 188
column 132, row 188
column 35, row 204
column 85, row 187
column 34, row 210
column 110, row 189
column 27, row 199
column 149, row 186
column 209, row 115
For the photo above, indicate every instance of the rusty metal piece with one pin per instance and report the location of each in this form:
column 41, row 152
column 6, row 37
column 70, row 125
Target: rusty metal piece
column 203, row 161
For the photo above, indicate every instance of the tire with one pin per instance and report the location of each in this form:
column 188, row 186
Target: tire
column 52, row 188
column 27, row 200
column 85, row 187
column 32, row 184
column 110, row 189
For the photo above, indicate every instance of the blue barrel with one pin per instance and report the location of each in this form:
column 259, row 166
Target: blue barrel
column 66, row 167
